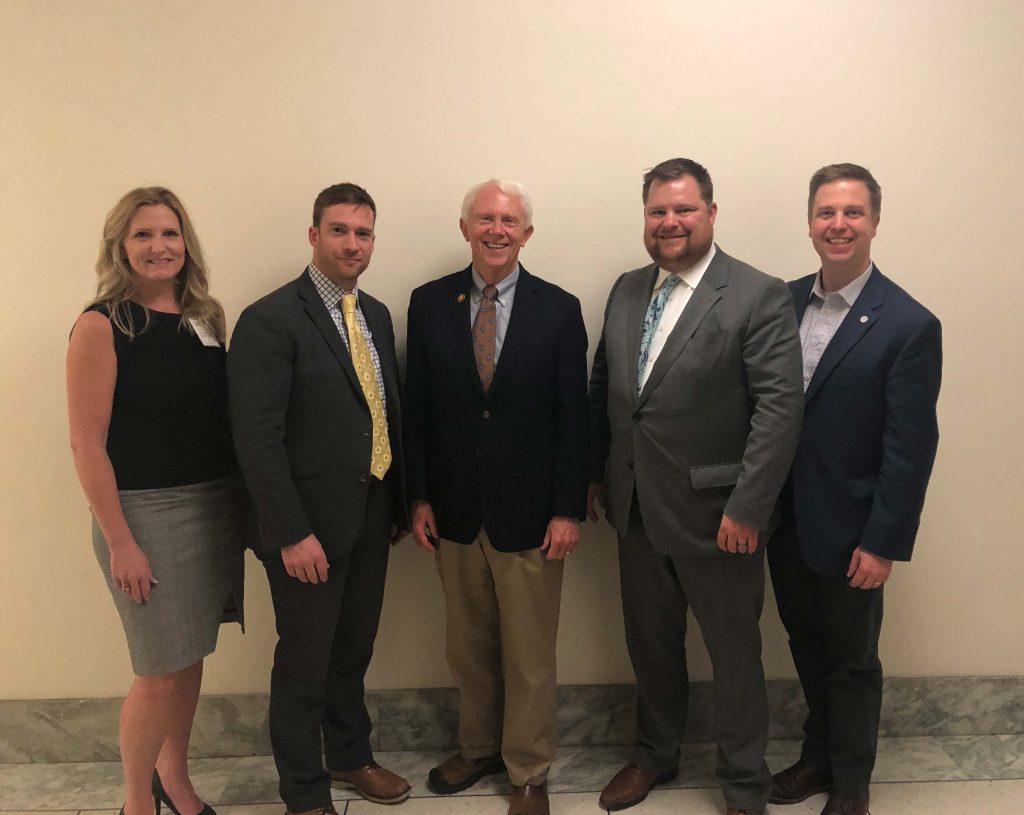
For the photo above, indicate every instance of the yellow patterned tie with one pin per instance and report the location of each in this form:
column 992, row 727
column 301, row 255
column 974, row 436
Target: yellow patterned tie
column 380, row 456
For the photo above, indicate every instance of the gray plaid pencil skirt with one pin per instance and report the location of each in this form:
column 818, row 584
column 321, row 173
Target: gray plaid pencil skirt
column 194, row 537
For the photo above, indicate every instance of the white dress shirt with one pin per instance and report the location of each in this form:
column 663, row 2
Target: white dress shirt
column 674, row 306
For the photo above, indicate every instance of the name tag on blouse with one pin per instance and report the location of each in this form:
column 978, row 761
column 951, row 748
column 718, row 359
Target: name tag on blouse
column 205, row 335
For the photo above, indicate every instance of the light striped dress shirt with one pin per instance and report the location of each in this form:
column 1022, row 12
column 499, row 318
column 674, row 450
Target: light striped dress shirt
column 825, row 312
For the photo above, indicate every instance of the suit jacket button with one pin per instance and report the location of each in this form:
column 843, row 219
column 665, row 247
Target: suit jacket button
column 366, row 436
column 486, row 414
column 363, row 478
column 636, row 418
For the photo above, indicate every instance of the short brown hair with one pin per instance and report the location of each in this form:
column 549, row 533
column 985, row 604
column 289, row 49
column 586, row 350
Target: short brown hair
column 676, row 168
column 344, row 193
column 842, row 172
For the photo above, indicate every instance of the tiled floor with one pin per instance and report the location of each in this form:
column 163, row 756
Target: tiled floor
column 938, row 776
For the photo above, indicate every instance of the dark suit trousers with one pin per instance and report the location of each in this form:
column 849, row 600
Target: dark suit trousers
column 833, row 635
column 726, row 595
column 325, row 641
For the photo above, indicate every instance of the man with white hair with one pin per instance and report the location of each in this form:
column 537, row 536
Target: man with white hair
column 496, row 451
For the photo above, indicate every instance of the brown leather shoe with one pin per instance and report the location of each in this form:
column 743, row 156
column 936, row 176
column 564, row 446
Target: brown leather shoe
column 630, row 786
column 327, row 810
column 374, row 783
column 458, row 773
column 529, row 799
column 798, row 783
column 846, row 805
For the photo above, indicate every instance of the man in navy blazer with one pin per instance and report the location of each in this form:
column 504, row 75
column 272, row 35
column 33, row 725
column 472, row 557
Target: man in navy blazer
column 872, row 360
column 496, row 445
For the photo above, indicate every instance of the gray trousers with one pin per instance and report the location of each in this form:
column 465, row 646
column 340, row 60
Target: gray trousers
column 726, row 595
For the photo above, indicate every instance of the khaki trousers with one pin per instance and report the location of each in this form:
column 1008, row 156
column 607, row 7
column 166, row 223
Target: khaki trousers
column 502, row 610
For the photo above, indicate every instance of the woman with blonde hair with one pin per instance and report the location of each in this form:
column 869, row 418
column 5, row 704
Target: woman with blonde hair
column 147, row 407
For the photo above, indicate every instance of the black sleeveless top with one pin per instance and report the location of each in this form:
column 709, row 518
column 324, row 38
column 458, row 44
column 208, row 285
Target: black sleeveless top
column 169, row 422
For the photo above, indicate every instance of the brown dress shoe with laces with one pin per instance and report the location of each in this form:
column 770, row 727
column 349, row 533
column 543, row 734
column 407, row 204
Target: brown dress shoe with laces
column 458, row 773
column 374, row 783
column 630, row 786
column 846, row 805
column 798, row 783
column 529, row 799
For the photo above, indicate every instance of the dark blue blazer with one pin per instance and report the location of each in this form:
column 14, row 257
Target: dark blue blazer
column 870, row 431
column 511, row 459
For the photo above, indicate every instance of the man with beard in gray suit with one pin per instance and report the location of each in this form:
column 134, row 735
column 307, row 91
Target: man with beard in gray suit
column 696, row 401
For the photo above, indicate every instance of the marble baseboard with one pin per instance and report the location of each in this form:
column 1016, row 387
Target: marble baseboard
column 85, row 730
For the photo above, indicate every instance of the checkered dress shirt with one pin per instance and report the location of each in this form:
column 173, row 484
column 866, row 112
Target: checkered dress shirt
column 330, row 292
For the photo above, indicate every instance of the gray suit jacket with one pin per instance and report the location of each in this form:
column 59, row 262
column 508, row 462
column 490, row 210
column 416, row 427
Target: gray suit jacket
column 717, row 423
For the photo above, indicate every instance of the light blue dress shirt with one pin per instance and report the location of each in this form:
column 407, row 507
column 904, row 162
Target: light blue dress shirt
column 502, row 306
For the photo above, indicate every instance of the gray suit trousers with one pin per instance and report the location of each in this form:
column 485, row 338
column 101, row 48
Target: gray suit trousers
column 726, row 595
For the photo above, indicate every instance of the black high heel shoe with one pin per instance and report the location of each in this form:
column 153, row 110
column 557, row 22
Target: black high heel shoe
column 160, row 794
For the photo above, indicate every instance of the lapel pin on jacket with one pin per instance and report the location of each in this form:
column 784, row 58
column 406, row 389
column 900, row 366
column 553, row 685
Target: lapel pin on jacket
column 863, row 318
column 460, row 298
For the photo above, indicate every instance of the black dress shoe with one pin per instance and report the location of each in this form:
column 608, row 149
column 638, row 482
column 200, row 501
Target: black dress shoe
column 798, row 783
column 457, row 773
column 846, row 805
column 160, row 794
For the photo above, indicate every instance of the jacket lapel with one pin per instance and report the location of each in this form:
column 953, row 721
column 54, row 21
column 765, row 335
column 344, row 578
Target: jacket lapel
column 317, row 312
column 857, row 322
column 377, row 323
column 703, row 299
column 641, row 300
column 801, row 291
column 462, row 329
column 519, row 322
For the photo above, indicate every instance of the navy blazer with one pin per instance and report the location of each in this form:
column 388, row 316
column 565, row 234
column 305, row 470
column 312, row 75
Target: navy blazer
column 514, row 457
column 870, row 432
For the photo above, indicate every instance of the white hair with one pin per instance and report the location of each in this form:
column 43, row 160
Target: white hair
column 510, row 188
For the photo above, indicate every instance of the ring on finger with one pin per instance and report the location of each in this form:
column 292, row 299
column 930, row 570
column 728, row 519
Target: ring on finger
column 877, row 584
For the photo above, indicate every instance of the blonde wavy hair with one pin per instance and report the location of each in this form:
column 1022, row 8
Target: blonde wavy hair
column 116, row 284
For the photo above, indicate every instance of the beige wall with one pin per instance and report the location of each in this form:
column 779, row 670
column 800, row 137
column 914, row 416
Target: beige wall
column 247, row 110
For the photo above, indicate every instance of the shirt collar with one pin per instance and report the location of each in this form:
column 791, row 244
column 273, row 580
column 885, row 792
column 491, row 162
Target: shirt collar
column 329, row 291
column 505, row 286
column 849, row 293
column 691, row 277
